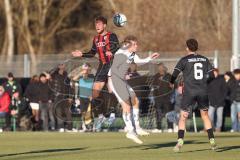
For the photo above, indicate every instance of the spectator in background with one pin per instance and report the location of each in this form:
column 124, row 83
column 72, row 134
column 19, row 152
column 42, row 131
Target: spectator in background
column 176, row 100
column 217, row 93
column 4, row 108
column 85, row 83
column 63, row 94
column 132, row 71
column 32, row 94
column 12, row 86
column 20, row 109
column 45, row 103
column 234, row 88
column 163, row 96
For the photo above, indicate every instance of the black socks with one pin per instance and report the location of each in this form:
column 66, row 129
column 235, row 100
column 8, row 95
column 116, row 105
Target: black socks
column 210, row 133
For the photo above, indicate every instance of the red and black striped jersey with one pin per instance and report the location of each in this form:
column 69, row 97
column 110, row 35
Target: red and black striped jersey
column 102, row 44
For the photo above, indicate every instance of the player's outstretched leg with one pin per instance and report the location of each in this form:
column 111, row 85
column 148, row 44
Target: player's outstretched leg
column 181, row 131
column 208, row 127
column 139, row 130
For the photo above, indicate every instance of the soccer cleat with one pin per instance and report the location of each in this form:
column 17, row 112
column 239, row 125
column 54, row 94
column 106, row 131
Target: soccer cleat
column 141, row 132
column 134, row 137
column 71, row 130
column 156, row 131
column 213, row 144
column 179, row 145
column 61, row 130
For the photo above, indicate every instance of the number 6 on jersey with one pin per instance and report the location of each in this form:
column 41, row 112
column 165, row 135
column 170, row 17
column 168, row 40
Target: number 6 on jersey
column 198, row 72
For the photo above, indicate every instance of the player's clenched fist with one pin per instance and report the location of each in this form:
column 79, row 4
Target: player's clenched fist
column 77, row 53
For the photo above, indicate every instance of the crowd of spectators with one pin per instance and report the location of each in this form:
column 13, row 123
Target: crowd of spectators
column 50, row 100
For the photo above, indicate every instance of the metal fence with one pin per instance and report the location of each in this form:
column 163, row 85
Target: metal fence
column 22, row 66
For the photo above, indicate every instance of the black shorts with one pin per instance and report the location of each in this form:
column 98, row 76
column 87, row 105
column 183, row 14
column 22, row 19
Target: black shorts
column 191, row 99
column 84, row 103
column 102, row 72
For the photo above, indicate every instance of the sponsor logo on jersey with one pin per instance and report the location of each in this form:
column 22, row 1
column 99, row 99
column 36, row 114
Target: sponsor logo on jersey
column 100, row 44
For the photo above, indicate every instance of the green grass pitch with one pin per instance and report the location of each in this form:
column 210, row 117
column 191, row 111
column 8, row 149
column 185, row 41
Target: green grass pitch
column 114, row 146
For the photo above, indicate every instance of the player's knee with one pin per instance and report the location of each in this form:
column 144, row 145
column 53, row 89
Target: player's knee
column 184, row 115
column 136, row 102
column 204, row 113
column 126, row 109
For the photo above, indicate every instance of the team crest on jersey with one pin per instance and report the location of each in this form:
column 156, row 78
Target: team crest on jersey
column 130, row 59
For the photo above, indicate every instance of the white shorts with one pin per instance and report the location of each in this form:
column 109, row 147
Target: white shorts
column 121, row 89
column 34, row 106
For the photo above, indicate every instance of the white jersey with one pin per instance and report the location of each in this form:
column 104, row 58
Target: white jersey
column 122, row 60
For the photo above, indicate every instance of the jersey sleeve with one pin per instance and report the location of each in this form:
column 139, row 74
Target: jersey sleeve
column 209, row 66
column 114, row 43
column 180, row 65
column 210, row 72
column 139, row 60
column 92, row 51
column 178, row 69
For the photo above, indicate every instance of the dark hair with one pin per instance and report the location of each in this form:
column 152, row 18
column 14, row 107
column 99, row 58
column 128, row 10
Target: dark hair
column 236, row 71
column 163, row 65
column 33, row 79
column 10, row 74
column 228, row 73
column 102, row 19
column 42, row 75
column 192, row 44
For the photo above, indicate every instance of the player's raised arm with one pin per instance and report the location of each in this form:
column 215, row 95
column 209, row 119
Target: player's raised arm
column 89, row 54
column 139, row 60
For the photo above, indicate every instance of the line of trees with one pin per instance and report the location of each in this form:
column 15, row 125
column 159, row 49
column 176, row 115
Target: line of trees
column 59, row 26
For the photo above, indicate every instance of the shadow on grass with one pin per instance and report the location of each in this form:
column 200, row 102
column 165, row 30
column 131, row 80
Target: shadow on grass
column 158, row 146
column 43, row 151
column 227, row 136
column 227, row 148
column 220, row 149
column 169, row 144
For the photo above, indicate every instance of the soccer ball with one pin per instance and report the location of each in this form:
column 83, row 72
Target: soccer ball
column 119, row 19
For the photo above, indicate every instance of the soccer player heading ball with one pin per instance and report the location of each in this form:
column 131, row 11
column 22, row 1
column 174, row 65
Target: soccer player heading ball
column 197, row 72
column 124, row 93
column 105, row 44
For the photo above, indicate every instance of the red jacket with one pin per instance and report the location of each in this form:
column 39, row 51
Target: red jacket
column 5, row 102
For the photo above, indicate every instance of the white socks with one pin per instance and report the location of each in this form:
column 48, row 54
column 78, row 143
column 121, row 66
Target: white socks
column 136, row 118
column 128, row 122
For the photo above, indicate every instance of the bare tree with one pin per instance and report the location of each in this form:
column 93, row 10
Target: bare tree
column 39, row 26
column 9, row 38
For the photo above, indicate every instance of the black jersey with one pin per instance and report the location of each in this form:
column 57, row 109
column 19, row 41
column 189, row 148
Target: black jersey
column 196, row 69
column 102, row 44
